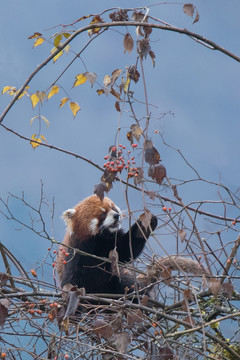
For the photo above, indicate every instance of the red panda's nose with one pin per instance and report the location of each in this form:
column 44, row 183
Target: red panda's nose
column 116, row 216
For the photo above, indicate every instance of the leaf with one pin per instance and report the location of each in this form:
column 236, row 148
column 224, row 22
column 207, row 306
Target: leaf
column 66, row 35
column 72, row 302
column 188, row 9
column 3, row 279
column 214, row 286
column 152, row 56
column 182, row 233
column 139, row 176
column 128, row 43
column 36, row 34
column 34, row 144
column 100, row 91
column 166, row 353
column 115, row 93
column 189, row 320
column 134, row 317
column 95, row 20
column 115, row 74
column 157, row 173
column 41, row 95
column 54, row 90
column 126, row 85
column 32, row 119
column 35, row 99
column 43, row 138
column 113, row 257
column 91, row 77
column 6, row 88
column 145, row 218
column 67, row 48
column 117, row 106
column 107, row 80
column 188, row 295
column 63, row 101
column 197, row 17
column 57, row 56
column 80, row 79
column 133, row 73
column 45, row 120
column 99, row 190
column 57, row 40
column 4, row 305
column 151, row 154
column 102, row 329
column 74, row 108
column 136, row 131
column 143, row 47
column 166, row 275
column 38, row 41
column 228, row 289
column 121, row 341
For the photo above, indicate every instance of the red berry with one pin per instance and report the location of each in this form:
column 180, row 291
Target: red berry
column 106, row 157
column 66, row 254
column 54, row 251
column 156, row 131
column 169, row 209
column 126, row 166
column 164, row 208
column 53, row 264
column 234, row 223
column 134, row 145
column 64, row 262
column 228, row 261
column 124, row 147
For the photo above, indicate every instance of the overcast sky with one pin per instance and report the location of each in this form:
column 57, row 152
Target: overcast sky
column 199, row 86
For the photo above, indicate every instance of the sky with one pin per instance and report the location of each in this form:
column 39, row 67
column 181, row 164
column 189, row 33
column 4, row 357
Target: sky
column 196, row 88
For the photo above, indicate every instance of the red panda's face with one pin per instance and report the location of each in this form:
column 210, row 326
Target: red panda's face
column 92, row 216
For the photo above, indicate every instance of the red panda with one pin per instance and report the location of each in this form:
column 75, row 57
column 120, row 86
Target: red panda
column 94, row 228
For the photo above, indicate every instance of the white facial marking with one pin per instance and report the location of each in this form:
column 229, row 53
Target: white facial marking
column 93, row 227
column 113, row 219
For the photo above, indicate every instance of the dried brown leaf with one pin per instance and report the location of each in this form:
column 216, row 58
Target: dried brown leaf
column 143, row 47
column 134, row 317
column 144, row 300
column 102, row 329
column 151, row 154
column 190, row 320
column 3, row 279
column 138, row 16
column 197, row 17
column 166, row 275
column 72, row 303
column 157, row 173
column 214, row 286
column 113, row 257
column 188, row 9
column 130, row 137
column 152, row 56
column 120, row 15
column 115, row 74
column 188, row 295
column 228, row 289
column 165, row 353
column 152, row 195
column 117, row 106
column 128, row 43
column 182, row 233
column 133, row 73
column 145, row 218
column 136, row 131
column 121, row 341
column 115, row 93
column 139, row 179
column 99, row 190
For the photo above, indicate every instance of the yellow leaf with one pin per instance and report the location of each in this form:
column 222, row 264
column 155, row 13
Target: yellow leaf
column 96, row 19
column 63, row 101
column 43, row 137
column 32, row 119
column 57, row 56
column 34, row 144
column 126, row 85
column 35, row 99
column 100, row 91
column 54, row 90
column 66, row 35
column 80, row 79
column 46, row 122
column 6, row 88
column 38, row 41
column 74, row 108
column 57, row 40
column 67, row 48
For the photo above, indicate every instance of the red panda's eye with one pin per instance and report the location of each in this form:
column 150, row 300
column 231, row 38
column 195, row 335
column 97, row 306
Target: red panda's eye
column 115, row 209
column 102, row 217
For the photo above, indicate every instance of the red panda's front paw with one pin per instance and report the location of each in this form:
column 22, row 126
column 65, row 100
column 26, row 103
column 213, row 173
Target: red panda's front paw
column 153, row 222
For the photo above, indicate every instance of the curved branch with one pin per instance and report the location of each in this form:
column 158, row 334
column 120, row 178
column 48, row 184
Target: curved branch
column 186, row 32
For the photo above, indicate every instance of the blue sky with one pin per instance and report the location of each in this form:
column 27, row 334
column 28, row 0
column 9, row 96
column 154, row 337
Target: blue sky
column 200, row 86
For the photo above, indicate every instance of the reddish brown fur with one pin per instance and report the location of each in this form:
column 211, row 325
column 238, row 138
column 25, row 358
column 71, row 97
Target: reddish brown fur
column 86, row 210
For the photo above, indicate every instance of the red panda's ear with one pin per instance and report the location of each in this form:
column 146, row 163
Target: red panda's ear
column 67, row 216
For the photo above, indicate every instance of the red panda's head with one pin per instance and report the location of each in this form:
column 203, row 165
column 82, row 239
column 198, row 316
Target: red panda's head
column 91, row 216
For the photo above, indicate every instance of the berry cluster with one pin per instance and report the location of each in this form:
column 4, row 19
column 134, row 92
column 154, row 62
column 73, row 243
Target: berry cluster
column 117, row 162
